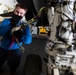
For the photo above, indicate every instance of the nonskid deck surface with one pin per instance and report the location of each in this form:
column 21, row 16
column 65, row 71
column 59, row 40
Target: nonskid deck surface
column 36, row 47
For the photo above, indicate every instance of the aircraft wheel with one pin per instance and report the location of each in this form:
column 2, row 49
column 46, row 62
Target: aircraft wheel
column 33, row 65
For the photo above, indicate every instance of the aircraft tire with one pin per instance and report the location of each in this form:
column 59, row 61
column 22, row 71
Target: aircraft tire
column 33, row 65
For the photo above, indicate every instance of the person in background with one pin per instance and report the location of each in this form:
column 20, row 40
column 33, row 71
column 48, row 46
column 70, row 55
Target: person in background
column 9, row 48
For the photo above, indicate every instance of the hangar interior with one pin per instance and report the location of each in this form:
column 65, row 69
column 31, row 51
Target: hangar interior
column 53, row 28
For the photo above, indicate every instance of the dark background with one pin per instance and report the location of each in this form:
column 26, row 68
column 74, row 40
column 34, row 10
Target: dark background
column 33, row 6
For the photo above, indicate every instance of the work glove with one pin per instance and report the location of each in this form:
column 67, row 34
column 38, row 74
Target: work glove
column 17, row 33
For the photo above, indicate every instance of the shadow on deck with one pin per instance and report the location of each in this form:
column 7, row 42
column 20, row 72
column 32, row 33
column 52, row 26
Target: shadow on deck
column 36, row 47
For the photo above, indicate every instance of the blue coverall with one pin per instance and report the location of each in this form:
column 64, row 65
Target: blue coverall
column 12, row 54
